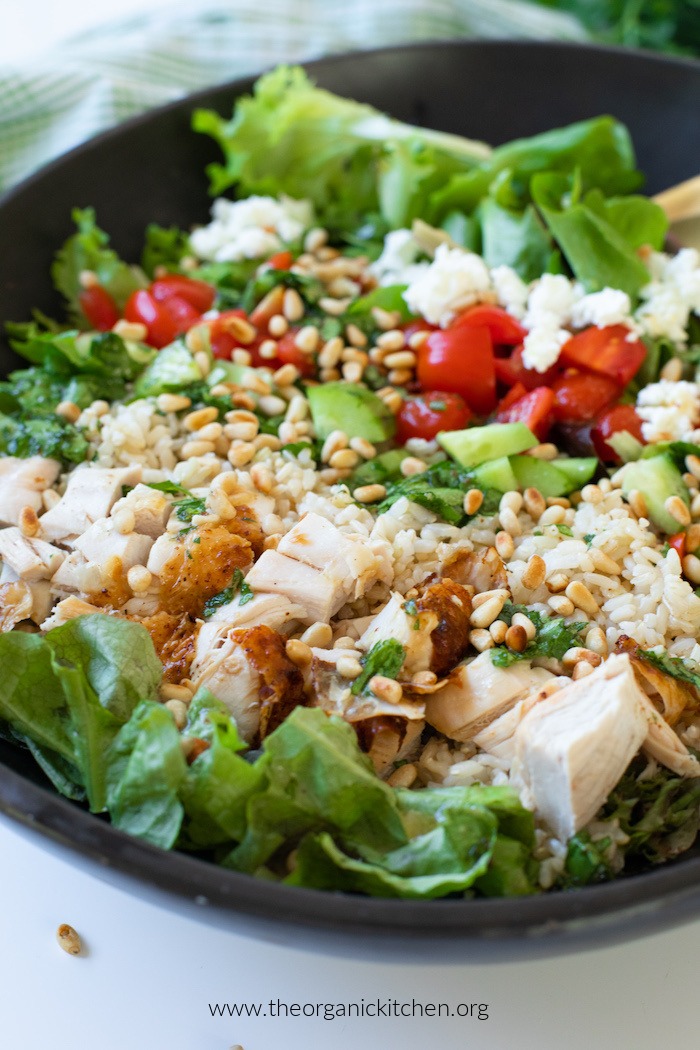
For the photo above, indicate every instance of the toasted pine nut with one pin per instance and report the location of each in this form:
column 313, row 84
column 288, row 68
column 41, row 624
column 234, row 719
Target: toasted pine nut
column 544, row 451
column 68, row 939
column 241, row 431
column 132, row 331
column 203, row 362
column 534, row 503
column 672, row 370
column 553, row 516
column 577, row 653
column 170, row 691
column 68, row 410
column 637, row 503
column 521, row 620
column 352, row 371
column 278, row 325
column 482, row 639
column 604, row 563
column 336, row 440
column 386, row 689
column 400, row 359
column 292, row 305
column 412, row 465
column 677, row 509
column 28, row 522
column 315, row 239
column 349, row 667
column 199, row 418
column 535, row 572
column 299, row 652
column 99, row 408
column 485, row 614
column 344, row 459
column 240, row 453
column 173, row 402
column 262, row 477
column 557, row 582
column 124, row 521
column 179, row 712
column 511, row 501
column 369, row 493
column 692, row 464
column 319, row 635
column 286, row 375
column 334, row 307
column 582, row 669
column 404, row 776
column 561, row 605
column 385, row 319
column 139, row 578
column 268, row 349
column 591, row 494
column 424, row 678
column 691, row 568
column 582, row 598
column 509, row 521
column 196, row 448
column 498, row 630
column 504, row 545
column 355, row 336
column 516, row 638
column 394, row 339
column 486, row 596
column 597, row 642
column 472, row 501
column 417, row 340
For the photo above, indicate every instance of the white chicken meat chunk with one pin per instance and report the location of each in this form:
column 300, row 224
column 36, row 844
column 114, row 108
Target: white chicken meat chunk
column 22, row 482
column 315, row 541
column 101, row 541
column 319, row 594
column 478, row 692
column 68, row 609
column 90, row 495
column 572, row 748
column 30, row 558
column 151, row 510
column 275, row 610
column 78, row 575
column 498, row 738
column 665, row 746
column 221, row 664
column 393, row 621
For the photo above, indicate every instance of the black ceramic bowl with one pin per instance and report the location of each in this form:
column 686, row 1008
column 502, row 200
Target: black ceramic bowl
column 152, row 169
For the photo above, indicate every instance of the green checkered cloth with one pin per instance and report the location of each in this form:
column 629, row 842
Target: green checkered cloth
column 103, row 76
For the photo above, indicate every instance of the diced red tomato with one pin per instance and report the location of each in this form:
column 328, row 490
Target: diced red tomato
column 164, row 321
column 534, row 409
column 429, row 413
column 99, row 307
column 198, row 294
column 580, row 396
column 513, row 395
column 511, row 370
column 606, row 351
column 280, row 261
column 288, row 353
column 679, row 543
column 460, row 360
column 504, row 329
column 612, row 421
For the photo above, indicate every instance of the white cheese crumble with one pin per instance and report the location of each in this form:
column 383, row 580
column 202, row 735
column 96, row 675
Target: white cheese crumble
column 252, row 228
column 608, row 307
column 397, row 263
column 671, row 295
column 669, row 411
column 549, row 307
column 454, row 280
column 511, row 290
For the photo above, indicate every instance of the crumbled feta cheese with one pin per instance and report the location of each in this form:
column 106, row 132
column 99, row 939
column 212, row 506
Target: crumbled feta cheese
column 251, row 228
column 669, row 411
column 607, row 307
column 549, row 308
column 542, row 346
column 397, row 263
column 453, row 281
column 671, row 296
column 511, row 290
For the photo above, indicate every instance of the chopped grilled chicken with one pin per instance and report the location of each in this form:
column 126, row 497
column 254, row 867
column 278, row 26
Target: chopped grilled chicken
column 665, row 746
column 386, row 731
column 31, row 559
column 478, row 692
column 484, row 571
column 16, row 604
column 671, row 695
column 250, row 672
column 256, row 502
column 151, row 510
column 22, row 482
column 319, row 594
column 275, row 610
column 498, row 738
column 90, row 495
column 349, row 559
column 433, row 627
column 77, row 575
column 68, row 609
column 572, row 748
column 102, row 541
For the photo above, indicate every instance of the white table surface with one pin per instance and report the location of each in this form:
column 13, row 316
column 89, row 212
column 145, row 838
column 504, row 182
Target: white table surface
column 148, row 976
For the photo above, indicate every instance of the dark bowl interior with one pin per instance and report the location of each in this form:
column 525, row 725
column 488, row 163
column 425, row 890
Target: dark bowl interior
column 152, row 169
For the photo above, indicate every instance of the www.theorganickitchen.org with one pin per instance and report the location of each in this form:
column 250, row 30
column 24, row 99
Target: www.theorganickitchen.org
column 368, row 1008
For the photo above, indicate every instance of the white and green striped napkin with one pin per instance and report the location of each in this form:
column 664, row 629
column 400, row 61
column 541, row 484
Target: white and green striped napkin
column 108, row 74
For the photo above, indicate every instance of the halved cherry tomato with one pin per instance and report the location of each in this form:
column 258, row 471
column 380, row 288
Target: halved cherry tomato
column 513, row 395
column 164, row 321
column 198, row 294
column 580, row 396
column 280, row 261
column 99, row 307
column 429, row 413
column 460, row 360
column 288, row 353
column 222, row 340
column 534, row 409
column 612, row 421
column 679, row 543
column 606, row 351
column 511, row 370
column 504, row 329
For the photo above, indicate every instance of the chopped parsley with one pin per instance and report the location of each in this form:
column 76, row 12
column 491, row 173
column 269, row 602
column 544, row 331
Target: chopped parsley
column 671, row 665
column 385, row 658
column 187, row 506
column 554, row 636
column 411, row 609
column 565, row 530
column 237, row 586
column 588, row 538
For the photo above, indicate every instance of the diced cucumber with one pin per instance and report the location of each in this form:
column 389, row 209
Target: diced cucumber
column 538, row 474
column 480, row 444
column 173, row 369
column 576, row 471
column 656, row 479
column 228, row 372
column 625, row 445
column 496, row 474
column 352, row 408
column 384, row 467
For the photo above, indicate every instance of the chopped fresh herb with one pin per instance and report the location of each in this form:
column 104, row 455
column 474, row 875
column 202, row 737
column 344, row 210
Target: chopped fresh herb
column 50, row 436
column 385, row 658
column 163, row 247
column 170, row 487
column 554, row 636
column 126, row 489
column 439, row 489
column 186, row 507
column 411, row 609
column 565, row 530
column 237, row 586
column 295, row 447
column 671, row 665
column 588, row 538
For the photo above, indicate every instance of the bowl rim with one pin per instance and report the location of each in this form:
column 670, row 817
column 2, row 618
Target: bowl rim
column 627, row 907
